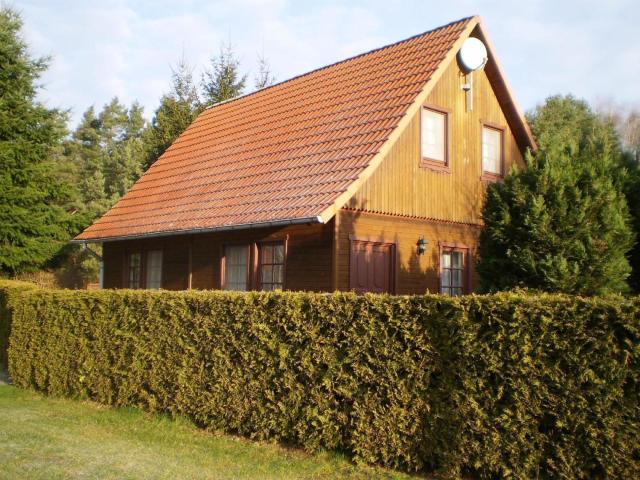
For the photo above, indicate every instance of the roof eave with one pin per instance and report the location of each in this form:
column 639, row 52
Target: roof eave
column 222, row 228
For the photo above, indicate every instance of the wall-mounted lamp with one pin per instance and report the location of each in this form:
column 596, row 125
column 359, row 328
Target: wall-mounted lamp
column 422, row 246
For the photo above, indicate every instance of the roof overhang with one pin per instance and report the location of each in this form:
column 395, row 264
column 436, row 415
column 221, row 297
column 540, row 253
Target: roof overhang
column 222, row 228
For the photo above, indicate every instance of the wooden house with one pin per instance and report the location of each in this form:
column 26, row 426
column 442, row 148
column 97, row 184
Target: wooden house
column 366, row 175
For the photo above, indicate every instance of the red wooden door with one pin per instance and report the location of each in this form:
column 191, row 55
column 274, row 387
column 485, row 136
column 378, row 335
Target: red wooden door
column 371, row 268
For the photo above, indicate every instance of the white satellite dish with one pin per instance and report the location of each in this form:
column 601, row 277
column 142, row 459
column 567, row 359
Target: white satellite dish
column 473, row 54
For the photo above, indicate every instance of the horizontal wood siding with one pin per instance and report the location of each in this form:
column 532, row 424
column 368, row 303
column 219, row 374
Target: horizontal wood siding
column 415, row 274
column 401, row 186
column 308, row 266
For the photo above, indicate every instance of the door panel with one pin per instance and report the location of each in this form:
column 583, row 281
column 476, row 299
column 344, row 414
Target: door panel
column 371, row 267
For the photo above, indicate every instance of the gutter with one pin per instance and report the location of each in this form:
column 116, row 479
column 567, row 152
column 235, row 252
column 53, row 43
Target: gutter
column 223, row 228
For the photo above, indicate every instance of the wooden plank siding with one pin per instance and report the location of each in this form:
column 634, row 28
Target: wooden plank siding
column 414, row 273
column 309, row 253
column 400, row 186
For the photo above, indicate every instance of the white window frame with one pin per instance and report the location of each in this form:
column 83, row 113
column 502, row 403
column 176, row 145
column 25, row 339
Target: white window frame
column 499, row 131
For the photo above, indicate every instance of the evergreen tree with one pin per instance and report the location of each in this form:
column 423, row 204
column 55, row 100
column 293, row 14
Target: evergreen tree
column 108, row 151
column 562, row 223
column 34, row 224
column 632, row 192
column 84, row 150
column 264, row 78
column 223, row 81
column 122, row 131
column 177, row 110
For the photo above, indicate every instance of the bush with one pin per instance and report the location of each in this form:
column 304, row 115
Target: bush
column 7, row 287
column 562, row 223
column 507, row 385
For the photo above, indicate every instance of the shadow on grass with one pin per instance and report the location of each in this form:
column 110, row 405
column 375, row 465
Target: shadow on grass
column 4, row 376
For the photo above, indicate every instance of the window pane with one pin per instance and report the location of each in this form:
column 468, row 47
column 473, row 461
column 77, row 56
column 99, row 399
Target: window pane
column 278, row 271
column 267, row 274
column 433, row 135
column 278, row 254
column 235, row 267
column 154, row 269
column 446, row 260
column 456, row 280
column 134, row 270
column 491, row 150
column 267, row 254
column 446, row 277
column 456, row 259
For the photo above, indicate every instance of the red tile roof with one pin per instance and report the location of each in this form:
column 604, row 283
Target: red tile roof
column 285, row 153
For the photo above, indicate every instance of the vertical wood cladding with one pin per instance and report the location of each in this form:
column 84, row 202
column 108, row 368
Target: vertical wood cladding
column 414, row 273
column 401, row 186
column 308, row 264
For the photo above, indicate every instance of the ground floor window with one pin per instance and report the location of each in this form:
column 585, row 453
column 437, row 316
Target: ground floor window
column 272, row 266
column 154, row 269
column 236, row 267
column 454, row 270
column 254, row 266
column 134, row 270
column 144, row 269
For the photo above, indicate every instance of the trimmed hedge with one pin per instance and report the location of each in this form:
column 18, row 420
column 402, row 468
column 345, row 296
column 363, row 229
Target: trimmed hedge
column 507, row 386
column 7, row 286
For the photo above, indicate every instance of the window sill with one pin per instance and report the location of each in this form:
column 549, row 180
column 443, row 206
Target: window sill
column 435, row 165
column 491, row 177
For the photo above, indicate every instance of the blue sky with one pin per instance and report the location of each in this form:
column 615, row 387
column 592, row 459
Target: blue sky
column 109, row 48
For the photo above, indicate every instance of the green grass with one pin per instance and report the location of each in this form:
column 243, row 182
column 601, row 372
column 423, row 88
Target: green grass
column 51, row 438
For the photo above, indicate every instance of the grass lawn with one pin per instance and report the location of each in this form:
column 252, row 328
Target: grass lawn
column 52, row 438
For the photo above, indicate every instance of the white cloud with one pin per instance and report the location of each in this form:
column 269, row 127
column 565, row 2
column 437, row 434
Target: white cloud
column 105, row 48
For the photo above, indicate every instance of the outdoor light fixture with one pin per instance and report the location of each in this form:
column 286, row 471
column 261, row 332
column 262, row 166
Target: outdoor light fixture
column 422, row 246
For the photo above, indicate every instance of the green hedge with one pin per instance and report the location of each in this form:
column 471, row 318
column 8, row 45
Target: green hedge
column 502, row 386
column 7, row 286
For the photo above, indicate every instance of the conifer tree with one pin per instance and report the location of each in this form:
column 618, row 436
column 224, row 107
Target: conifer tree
column 562, row 223
column 223, row 81
column 264, row 77
column 177, row 110
column 86, row 151
column 34, row 223
column 122, row 131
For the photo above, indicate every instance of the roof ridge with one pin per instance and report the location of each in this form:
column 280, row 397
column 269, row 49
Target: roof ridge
column 441, row 27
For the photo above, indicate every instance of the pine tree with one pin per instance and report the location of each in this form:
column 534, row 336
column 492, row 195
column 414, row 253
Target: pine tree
column 34, row 224
column 223, row 81
column 177, row 110
column 109, row 153
column 122, row 131
column 263, row 78
column 562, row 223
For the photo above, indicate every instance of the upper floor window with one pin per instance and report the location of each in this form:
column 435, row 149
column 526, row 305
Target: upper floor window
column 154, row 269
column 434, row 137
column 134, row 270
column 492, row 154
column 272, row 266
column 236, row 267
